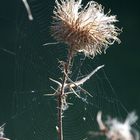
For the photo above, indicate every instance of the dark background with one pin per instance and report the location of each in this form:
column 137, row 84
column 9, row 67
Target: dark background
column 122, row 61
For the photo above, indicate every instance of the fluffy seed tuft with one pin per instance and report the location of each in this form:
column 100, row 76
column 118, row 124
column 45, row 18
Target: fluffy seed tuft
column 87, row 29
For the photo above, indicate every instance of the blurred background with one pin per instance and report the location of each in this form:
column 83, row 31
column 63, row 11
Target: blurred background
column 21, row 40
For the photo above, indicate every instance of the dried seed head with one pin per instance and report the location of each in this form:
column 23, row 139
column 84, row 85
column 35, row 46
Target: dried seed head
column 87, row 29
column 123, row 130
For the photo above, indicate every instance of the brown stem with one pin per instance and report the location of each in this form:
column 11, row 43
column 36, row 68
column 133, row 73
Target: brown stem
column 60, row 111
column 60, row 129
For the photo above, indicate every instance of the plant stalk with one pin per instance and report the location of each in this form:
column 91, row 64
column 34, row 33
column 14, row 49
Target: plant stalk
column 62, row 92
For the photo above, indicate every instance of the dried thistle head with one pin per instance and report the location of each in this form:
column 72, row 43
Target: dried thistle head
column 113, row 129
column 88, row 30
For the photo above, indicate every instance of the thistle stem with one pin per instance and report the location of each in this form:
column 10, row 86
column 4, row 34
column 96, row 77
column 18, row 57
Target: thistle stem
column 62, row 92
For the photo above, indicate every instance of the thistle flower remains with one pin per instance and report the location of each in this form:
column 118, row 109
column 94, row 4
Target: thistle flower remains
column 88, row 30
column 113, row 129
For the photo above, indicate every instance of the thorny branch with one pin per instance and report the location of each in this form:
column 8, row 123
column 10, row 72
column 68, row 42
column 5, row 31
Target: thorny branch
column 68, row 85
column 71, row 85
column 61, row 98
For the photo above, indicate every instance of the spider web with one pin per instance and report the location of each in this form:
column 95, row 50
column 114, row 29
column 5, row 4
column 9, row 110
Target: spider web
column 35, row 115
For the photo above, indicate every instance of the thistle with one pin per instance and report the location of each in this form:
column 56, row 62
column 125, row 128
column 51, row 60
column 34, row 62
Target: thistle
column 88, row 30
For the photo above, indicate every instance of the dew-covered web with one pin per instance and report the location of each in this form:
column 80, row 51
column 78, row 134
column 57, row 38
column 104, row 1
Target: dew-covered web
column 35, row 115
